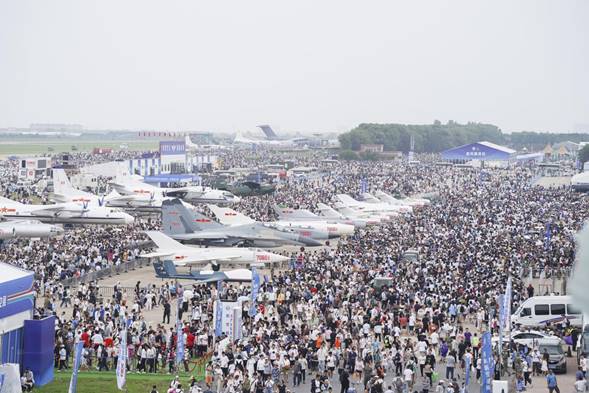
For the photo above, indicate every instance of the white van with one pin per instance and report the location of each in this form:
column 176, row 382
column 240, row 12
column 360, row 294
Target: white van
column 541, row 310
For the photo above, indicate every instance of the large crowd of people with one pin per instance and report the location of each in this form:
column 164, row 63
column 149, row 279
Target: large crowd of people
column 322, row 322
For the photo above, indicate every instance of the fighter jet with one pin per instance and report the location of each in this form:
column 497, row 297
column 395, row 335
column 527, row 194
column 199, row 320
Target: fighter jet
column 372, row 207
column 183, row 255
column 329, row 213
column 127, row 185
column 190, row 226
column 64, row 192
column 315, row 229
column 64, row 213
column 285, row 213
column 13, row 229
column 387, row 198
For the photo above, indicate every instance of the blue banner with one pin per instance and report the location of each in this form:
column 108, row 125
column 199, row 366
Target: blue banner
column 363, row 185
column 78, row 348
column 507, row 306
column 467, row 367
column 487, row 364
column 255, row 289
column 501, row 303
column 219, row 310
column 547, row 236
column 180, row 343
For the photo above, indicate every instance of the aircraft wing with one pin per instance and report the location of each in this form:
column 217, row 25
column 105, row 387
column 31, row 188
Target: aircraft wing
column 200, row 235
column 157, row 254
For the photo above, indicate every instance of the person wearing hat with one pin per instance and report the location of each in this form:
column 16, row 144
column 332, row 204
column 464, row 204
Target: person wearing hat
column 62, row 357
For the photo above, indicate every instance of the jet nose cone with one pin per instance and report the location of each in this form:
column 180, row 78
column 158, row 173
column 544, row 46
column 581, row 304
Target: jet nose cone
column 236, row 199
column 307, row 241
column 58, row 230
column 347, row 229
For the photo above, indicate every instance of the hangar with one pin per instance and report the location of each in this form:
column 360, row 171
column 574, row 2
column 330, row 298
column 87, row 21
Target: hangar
column 479, row 151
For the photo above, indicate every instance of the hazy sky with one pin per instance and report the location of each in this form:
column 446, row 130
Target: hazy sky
column 306, row 65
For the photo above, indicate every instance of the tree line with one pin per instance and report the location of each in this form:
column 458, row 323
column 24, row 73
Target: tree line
column 437, row 137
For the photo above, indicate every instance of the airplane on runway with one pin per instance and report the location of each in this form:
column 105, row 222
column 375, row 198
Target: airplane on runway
column 190, row 146
column 64, row 192
column 315, row 229
column 285, row 213
column 183, row 255
column 126, row 185
column 64, row 213
column 186, row 225
column 13, row 229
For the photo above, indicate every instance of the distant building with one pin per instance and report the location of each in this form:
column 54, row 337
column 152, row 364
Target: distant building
column 479, row 151
column 372, row 148
column 34, row 168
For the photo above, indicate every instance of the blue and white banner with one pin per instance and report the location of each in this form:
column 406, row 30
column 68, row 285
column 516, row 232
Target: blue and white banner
column 1, row 380
column 487, row 364
column 501, row 319
column 507, row 306
column 363, row 185
column 78, row 348
column 180, row 342
column 122, row 360
column 219, row 311
column 467, row 366
column 255, row 289
column 547, row 236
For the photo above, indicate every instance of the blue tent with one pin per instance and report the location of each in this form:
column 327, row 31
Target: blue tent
column 483, row 151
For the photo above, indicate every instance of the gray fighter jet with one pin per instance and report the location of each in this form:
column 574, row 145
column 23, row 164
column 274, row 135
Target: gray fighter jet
column 190, row 226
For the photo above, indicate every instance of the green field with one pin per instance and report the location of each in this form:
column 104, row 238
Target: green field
column 106, row 382
column 38, row 146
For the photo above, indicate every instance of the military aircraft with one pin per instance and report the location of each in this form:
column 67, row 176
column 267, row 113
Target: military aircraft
column 167, row 270
column 286, row 213
column 387, row 198
column 126, row 185
column 372, row 207
column 13, row 229
column 315, row 229
column 183, row 255
column 64, row 213
column 190, row 226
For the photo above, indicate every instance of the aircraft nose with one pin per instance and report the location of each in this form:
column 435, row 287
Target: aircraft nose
column 307, row 241
column 347, row 229
column 58, row 230
column 236, row 199
column 278, row 258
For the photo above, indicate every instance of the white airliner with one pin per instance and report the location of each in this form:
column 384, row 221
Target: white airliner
column 64, row 213
column 183, row 255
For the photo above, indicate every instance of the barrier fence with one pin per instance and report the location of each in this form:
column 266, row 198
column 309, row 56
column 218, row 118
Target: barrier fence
column 107, row 272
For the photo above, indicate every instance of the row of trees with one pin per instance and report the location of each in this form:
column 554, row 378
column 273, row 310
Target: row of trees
column 437, row 137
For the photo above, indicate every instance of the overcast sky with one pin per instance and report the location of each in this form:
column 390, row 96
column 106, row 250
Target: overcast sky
column 304, row 65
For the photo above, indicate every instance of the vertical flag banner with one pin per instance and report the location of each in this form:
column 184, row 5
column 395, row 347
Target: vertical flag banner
column 487, row 364
column 363, row 185
column 78, row 348
column 218, row 310
column 501, row 303
column 180, row 343
column 507, row 305
column 467, row 372
column 179, row 334
column 122, row 360
column 255, row 289
column 547, row 236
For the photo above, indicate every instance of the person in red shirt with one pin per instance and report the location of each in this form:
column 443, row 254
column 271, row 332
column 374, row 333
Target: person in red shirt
column 86, row 338
column 190, row 342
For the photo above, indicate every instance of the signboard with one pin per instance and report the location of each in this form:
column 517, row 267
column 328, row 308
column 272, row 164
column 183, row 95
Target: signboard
column 168, row 148
column 227, row 316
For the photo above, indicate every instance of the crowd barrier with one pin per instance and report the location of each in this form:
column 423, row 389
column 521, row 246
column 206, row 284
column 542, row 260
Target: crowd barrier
column 106, row 272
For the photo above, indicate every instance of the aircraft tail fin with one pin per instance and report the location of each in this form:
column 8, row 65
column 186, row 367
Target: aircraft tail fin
column 178, row 219
column 288, row 213
column 165, row 269
column 229, row 216
column 268, row 131
column 165, row 242
column 61, row 183
column 328, row 211
column 347, row 200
